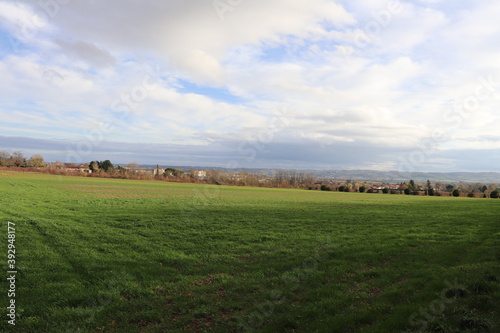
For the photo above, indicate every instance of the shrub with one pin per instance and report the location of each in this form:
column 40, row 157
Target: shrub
column 470, row 195
column 494, row 195
column 407, row 191
column 362, row 189
column 431, row 192
column 342, row 188
column 456, row 193
column 370, row 190
column 323, row 187
column 347, row 189
column 385, row 190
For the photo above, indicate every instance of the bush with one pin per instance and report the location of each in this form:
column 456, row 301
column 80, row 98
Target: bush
column 370, row 190
column 342, row 188
column 431, row 192
column 323, row 187
column 385, row 190
column 470, row 195
column 407, row 191
column 494, row 195
column 362, row 189
column 456, row 193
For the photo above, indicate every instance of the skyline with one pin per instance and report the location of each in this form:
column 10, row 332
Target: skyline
column 381, row 85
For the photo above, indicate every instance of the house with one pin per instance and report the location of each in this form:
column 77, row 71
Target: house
column 158, row 171
column 77, row 168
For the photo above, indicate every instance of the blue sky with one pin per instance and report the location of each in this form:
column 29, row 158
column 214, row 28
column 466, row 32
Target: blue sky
column 372, row 84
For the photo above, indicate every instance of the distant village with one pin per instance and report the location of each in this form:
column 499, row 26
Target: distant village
column 272, row 178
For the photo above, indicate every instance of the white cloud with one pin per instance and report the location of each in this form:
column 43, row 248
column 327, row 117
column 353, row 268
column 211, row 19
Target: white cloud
column 391, row 91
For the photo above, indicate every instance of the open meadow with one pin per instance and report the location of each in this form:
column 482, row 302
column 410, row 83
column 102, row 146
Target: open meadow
column 107, row 255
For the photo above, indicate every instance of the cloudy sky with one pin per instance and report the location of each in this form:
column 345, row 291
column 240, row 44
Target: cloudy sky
column 348, row 84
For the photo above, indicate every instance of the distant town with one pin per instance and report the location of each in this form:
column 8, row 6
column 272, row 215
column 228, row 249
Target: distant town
column 478, row 185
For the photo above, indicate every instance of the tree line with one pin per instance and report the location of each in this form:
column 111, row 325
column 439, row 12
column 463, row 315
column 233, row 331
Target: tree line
column 17, row 159
column 278, row 178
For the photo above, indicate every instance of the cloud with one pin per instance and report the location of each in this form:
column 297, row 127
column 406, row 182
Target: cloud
column 87, row 52
column 187, row 73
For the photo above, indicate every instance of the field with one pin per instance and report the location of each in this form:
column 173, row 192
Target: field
column 101, row 255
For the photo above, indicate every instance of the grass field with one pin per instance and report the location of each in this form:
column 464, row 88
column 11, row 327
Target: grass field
column 100, row 255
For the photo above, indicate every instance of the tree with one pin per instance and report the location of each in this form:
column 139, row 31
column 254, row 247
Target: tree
column 494, row 194
column 94, row 166
column 107, row 166
column 449, row 188
column 171, row 172
column 133, row 167
column 323, row 187
column 492, row 187
column 431, row 192
column 280, row 177
column 429, row 184
column 4, row 157
column 36, row 161
column 362, row 189
column 464, row 187
column 456, row 193
column 412, row 185
column 385, row 190
column 18, row 159
column 58, row 164
column 407, row 191
column 342, row 188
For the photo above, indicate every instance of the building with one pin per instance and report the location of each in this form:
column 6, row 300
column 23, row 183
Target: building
column 77, row 168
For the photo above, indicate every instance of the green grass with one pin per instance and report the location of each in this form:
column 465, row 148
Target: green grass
column 100, row 255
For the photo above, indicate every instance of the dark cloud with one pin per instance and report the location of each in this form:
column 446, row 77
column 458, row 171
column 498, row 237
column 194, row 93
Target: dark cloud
column 235, row 153
column 87, row 52
column 232, row 153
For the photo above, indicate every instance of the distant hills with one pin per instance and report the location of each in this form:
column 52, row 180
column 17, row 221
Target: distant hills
column 418, row 177
column 377, row 176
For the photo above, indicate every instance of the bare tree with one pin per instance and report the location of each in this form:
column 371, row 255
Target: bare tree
column 4, row 157
column 18, row 159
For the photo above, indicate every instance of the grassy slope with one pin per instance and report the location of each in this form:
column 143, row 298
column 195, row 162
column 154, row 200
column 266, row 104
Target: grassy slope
column 131, row 256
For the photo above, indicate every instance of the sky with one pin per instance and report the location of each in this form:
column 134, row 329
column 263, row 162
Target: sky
column 296, row 84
